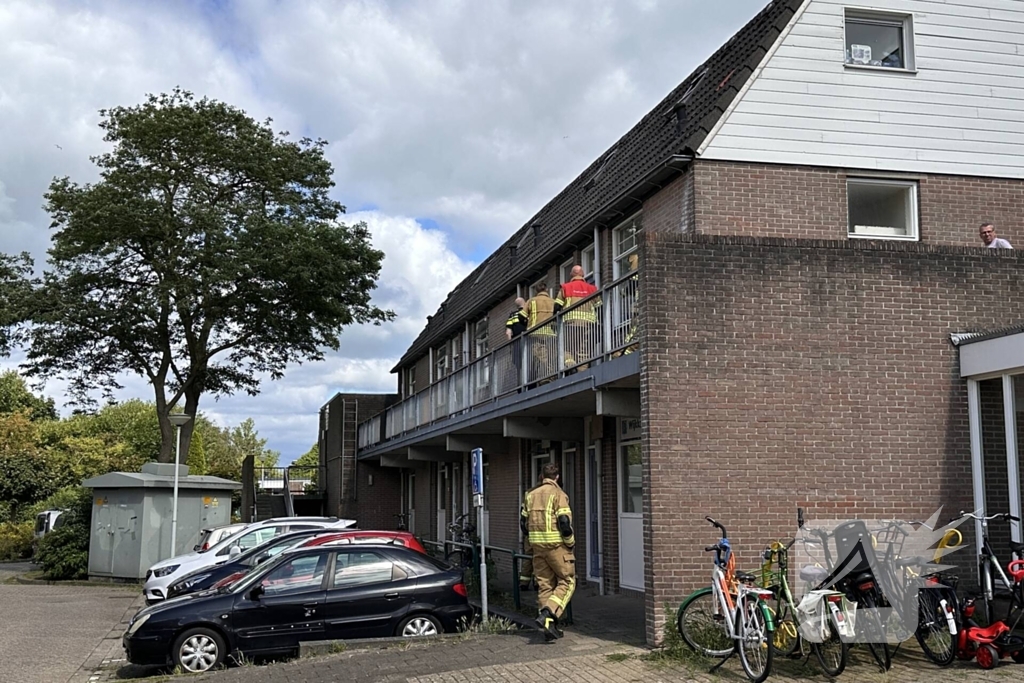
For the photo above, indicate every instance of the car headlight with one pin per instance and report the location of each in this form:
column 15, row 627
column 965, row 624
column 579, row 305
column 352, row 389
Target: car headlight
column 137, row 623
column 193, row 580
column 165, row 571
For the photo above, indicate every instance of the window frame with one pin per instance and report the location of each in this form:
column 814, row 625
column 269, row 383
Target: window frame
column 533, row 286
column 303, row 588
column 617, row 255
column 866, row 15
column 353, row 549
column 589, row 254
column 481, row 338
column 913, row 211
column 410, row 381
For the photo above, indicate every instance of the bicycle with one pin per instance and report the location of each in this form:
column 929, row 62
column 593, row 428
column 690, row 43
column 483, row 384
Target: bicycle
column 729, row 617
column 462, row 532
column 825, row 617
column 997, row 640
column 403, row 519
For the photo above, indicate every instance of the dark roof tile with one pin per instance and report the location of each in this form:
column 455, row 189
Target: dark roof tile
column 652, row 141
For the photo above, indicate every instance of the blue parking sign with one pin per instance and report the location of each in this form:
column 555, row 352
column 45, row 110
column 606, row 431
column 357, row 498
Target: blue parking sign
column 477, row 455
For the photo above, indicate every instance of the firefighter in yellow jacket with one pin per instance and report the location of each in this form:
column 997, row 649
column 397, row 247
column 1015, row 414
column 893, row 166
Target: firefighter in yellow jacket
column 547, row 522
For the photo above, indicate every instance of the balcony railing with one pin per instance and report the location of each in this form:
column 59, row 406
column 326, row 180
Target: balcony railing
column 597, row 328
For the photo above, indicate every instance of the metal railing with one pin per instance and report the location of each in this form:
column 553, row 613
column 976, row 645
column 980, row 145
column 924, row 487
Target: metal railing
column 602, row 326
column 295, row 479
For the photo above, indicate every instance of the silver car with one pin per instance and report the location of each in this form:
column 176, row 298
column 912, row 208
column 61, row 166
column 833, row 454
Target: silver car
column 215, row 534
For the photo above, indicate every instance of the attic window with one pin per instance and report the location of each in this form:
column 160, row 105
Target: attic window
column 512, row 255
column 483, row 271
column 879, row 39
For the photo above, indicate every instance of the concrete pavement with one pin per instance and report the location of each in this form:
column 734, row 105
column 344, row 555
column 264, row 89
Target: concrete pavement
column 49, row 632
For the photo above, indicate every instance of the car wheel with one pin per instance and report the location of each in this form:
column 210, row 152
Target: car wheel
column 199, row 649
column 419, row 625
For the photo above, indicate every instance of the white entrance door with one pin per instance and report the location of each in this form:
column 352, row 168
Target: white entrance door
column 631, row 511
column 442, row 501
column 592, row 476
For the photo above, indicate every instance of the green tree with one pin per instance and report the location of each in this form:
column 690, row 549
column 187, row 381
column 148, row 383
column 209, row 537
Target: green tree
column 26, row 473
column 15, row 396
column 15, row 290
column 310, row 458
column 208, row 255
column 196, row 454
column 247, row 443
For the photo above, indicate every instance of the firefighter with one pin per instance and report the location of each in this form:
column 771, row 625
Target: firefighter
column 543, row 341
column 526, row 568
column 547, row 521
column 580, row 322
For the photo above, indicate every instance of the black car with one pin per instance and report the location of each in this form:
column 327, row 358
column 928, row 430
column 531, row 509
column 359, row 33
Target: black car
column 316, row 593
column 205, row 578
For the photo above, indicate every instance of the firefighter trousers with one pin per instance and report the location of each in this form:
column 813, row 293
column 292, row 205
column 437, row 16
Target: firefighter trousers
column 555, row 569
column 526, row 566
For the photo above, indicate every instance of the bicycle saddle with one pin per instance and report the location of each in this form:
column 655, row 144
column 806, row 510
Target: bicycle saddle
column 1017, row 548
column 812, row 574
column 745, row 577
column 987, row 634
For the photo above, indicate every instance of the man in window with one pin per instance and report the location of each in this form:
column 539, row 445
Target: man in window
column 988, row 236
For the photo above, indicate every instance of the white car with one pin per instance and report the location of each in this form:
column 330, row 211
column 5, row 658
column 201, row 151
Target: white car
column 164, row 573
column 214, row 535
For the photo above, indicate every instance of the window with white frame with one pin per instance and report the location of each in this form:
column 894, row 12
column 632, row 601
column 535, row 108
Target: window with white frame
column 565, row 271
column 410, row 381
column 879, row 39
column 885, row 209
column 535, row 287
column 587, row 260
column 481, row 339
column 624, row 247
column 440, row 361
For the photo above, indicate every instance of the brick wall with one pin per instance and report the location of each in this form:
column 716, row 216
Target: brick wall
column 671, row 210
column 377, row 504
column 810, row 202
column 609, row 509
column 504, row 500
column 496, row 319
column 778, row 374
column 339, row 421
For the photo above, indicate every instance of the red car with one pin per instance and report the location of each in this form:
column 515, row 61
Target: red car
column 403, row 538
column 367, row 536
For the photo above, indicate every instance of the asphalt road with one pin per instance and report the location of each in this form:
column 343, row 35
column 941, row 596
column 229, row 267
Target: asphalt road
column 48, row 632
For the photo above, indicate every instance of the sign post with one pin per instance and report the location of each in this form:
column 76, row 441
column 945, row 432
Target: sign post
column 477, row 455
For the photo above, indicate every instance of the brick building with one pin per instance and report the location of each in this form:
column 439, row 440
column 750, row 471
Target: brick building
column 786, row 249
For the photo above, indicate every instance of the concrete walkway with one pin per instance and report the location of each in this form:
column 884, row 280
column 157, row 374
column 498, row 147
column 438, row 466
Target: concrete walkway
column 57, row 634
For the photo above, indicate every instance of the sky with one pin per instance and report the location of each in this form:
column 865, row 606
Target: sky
column 450, row 123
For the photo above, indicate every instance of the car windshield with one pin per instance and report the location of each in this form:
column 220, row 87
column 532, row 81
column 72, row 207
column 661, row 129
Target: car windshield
column 262, row 553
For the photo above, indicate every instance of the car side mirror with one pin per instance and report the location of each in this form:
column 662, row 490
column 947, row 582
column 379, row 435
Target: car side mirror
column 235, row 550
column 256, row 592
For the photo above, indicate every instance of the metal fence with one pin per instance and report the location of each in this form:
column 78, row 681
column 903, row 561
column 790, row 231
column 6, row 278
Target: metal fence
column 600, row 327
column 296, row 480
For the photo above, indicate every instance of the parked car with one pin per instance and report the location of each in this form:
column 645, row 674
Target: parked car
column 212, row 576
column 226, row 578
column 403, row 538
column 214, row 535
column 303, row 594
column 47, row 521
column 164, row 573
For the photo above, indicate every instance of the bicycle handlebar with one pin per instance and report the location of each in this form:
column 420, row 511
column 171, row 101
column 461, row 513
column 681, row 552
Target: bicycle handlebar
column 1003, row 516
column 718, row 525
column 710, row 548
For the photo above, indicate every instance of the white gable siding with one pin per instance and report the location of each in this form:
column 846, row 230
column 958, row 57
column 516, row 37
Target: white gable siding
column 962, row 113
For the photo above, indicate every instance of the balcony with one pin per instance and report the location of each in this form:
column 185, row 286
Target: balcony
column 594, row 330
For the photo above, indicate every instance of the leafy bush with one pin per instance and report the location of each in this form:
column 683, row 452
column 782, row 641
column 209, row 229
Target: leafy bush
column 64, row 552
column 15, row 540
column 64, row 499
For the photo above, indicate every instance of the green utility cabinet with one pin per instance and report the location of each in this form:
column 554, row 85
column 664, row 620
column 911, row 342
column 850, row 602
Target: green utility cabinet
column 131, row 517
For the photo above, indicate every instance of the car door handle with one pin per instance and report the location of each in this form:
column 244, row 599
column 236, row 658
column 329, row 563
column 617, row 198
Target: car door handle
column 311, row 605
column 391, row 596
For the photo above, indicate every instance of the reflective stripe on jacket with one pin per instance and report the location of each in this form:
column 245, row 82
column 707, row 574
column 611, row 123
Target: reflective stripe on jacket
column 573, row 291
column 542, row 507
column 540, row 308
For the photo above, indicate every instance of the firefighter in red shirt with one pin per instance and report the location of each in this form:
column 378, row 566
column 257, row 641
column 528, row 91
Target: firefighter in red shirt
column 580, row 323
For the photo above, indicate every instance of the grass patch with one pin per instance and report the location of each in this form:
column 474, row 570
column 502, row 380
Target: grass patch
column 674, row 650
column 618, row 657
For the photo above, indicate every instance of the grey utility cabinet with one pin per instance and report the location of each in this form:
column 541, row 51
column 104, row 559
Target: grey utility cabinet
column 131, row 517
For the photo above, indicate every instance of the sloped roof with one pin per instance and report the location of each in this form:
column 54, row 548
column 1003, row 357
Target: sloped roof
column 677, row 126
column 964, row 338
column 117, row 480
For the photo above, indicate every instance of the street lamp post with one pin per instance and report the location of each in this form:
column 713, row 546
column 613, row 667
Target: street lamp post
column 179, row 420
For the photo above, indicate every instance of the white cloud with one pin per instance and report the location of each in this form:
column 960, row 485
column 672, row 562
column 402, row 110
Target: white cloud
column 472, row 115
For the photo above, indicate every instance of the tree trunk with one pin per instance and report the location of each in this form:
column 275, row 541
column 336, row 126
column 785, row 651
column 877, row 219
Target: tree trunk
column 166, row 428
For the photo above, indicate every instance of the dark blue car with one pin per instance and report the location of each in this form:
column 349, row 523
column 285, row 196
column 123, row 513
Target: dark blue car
column 316, row 593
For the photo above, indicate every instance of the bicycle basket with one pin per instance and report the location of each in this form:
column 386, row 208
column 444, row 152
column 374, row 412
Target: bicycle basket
column 814, row 612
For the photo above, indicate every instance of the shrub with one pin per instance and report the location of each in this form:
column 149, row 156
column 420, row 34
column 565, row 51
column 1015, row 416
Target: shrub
column 16, row 540
column 64, row 552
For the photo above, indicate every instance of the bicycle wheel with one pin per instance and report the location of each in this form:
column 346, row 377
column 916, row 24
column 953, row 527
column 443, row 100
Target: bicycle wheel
column 875, row 636
column 456, row 559
column 702, row 626
column 786, row 638
column 753, row 638
column 832, row 652
column 932, row 632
